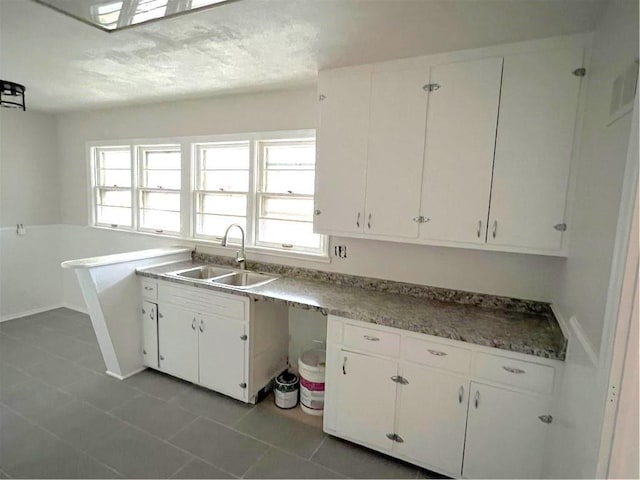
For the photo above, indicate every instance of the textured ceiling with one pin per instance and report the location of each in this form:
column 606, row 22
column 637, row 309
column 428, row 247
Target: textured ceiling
column 252, row 44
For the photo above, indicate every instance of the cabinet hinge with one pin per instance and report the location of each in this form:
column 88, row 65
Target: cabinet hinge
column 395, row 437
column 317, row 212
column 243, row 337
column 580, row 72
column 243, row 385
column 421, row 219
column 400, row 379
column 431, row 87
column 561, row 227
column 321, row 97
column 546, row 418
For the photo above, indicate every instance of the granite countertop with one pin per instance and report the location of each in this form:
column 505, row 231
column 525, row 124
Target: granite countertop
column 534, row 332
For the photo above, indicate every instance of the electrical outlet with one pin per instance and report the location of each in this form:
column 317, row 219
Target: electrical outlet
column 340, row 251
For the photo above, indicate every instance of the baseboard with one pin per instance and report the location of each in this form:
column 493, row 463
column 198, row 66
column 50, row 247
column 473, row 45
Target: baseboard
column 13, row 316
column 124, row 377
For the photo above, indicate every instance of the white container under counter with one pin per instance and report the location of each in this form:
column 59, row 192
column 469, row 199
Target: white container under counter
column 109, row 287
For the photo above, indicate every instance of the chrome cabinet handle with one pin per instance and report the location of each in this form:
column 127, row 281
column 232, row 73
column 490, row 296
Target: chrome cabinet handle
column 371, row 338
column 358, row 220
column 437, row 353
column 243, row 337
column 201, row 325
column 143, row 311
column 344, row 366
column 477, row 399
column 515, row 370
column 144, row 352
column 161, row 357
column 193, row 324
column 495, row 229
column 399, row 379
column 479, row 228
column 242, row 385
column 369, row 222
column 152, row 314
column 460, row 393
column 148, row 288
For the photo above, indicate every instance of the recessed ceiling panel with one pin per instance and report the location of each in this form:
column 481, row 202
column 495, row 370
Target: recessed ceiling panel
column 111, row 15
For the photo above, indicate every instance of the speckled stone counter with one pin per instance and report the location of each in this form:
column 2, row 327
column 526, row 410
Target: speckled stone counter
column 510, row 324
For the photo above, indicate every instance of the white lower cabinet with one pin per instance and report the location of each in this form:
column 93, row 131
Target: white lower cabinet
column 178, row 342
column 150, row 334
column 367, row 398
column 440, row 418
column 221, row 353
column 221, row 341
column 505, row 433
column 431, row 417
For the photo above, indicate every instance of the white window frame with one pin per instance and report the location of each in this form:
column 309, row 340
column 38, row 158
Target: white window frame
column 95, row 185
column 140, row 189
column 188, row 191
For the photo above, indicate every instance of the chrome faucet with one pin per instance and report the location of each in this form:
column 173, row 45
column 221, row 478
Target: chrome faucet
column 240, row 254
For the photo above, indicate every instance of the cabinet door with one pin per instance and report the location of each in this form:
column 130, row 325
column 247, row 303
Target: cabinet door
column 178, row 342
column 461, row 134
column 538, row 107
column 150, row 334
column 505, row 436
column 365, row 397
column 396, row 152
column 432, row 415
column 342, row 151
column 221, row 351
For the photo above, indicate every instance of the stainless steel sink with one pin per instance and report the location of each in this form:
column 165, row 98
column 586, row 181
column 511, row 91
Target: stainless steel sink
column 243, row 280
column 204, row 272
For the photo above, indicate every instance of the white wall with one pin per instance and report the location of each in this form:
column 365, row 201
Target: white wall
column 29, row 187
column 586, row 276
column 30, row 277
column 523, row 276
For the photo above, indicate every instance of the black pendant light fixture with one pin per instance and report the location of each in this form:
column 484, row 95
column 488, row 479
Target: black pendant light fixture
column 12, row 95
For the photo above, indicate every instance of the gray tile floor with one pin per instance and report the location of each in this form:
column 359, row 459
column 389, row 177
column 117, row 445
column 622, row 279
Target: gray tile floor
column 61, row 416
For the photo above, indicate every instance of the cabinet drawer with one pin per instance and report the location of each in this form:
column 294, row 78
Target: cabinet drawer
column 525, row 375
column 149, row 290
column 436, row 354
column 371, row 340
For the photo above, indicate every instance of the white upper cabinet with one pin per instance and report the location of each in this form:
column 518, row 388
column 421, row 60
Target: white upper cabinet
column 461, row 132
column 342, row 151
column 481, row 159
column 396, row 151
column 534, row 143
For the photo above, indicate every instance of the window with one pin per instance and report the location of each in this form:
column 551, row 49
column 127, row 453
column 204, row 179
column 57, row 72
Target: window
column 159, row 192
column 262, row 182
column 285, row 195
column 222, row 187
column 112, row 191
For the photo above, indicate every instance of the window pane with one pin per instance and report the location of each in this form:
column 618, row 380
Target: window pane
column 114, row 158
column 114, row 178
column 225, row 180
column 114, row 216
column 161, row 179
column 161, row 201
column 225, row 157
column 290, row 156
column 162, row 160
column 223, row 204
column 160, row 220
column 294, row 233
column 287, row 208
column 114, row 198
column 283, row 181
column 149, row 9
column 215, row 225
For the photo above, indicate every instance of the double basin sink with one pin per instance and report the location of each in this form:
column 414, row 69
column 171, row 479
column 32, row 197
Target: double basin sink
column 224, row 277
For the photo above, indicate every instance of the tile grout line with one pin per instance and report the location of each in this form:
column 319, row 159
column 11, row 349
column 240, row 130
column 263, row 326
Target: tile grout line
column 324, row 439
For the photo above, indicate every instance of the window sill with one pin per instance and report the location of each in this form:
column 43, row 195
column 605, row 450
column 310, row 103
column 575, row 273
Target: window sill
column 251, row 249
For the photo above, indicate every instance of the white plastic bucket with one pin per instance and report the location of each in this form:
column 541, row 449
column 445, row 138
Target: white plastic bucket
column 311, row 366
